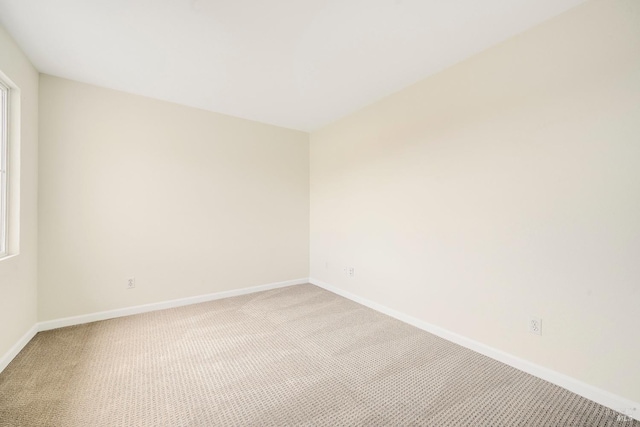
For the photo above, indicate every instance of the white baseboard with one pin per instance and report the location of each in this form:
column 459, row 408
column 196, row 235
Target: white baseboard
column 112, row 314
column 605, row 398
column 17, row 347
column 128, row 311
column 619, row 404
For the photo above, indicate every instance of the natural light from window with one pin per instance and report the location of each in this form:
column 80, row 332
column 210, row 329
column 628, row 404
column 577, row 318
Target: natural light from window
column 4, row 123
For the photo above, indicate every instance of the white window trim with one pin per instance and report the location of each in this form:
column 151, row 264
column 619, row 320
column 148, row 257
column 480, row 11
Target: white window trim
column 4, row 175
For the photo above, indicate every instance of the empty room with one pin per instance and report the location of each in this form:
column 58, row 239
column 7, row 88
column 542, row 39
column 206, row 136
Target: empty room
column 319, row 213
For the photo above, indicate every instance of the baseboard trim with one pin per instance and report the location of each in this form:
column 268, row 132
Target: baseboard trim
column 128, row 311
column 623, row 406
column 17, row 347
column 619, row 404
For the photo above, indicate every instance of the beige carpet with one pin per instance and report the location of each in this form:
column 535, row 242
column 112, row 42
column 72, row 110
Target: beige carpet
column 293, row 356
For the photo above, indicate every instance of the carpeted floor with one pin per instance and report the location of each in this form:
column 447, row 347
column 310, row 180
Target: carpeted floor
column 292, row 356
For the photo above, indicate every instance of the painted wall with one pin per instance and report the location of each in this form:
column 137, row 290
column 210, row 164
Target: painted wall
column 187, row 201
column 18, row 274
column 503, row 187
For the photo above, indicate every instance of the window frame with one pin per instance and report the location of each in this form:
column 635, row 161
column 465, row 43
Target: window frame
column 4, row 168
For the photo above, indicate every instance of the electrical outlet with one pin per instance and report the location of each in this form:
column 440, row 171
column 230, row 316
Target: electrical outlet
column 131, row 282
column 535, row 325
column 345, row 270
column 352, row 272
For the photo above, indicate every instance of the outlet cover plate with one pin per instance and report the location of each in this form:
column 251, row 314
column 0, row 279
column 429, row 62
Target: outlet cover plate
column 535, row 325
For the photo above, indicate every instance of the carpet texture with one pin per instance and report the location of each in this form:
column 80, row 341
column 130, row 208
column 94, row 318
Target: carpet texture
column 292, row 356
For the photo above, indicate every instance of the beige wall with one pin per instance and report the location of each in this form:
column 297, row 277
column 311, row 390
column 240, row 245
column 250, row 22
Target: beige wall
column 503, row 187
column 18, row 274
column 187, row 201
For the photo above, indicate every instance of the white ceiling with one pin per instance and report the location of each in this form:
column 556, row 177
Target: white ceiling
column 294, row 63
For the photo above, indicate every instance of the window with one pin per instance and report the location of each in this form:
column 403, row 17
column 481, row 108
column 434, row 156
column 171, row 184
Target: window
column 4, row 124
